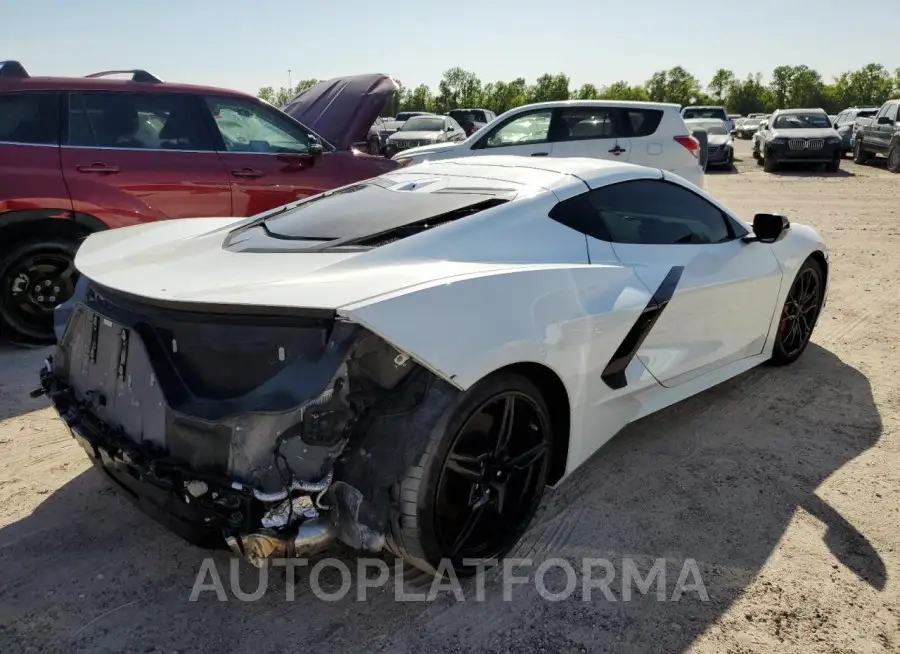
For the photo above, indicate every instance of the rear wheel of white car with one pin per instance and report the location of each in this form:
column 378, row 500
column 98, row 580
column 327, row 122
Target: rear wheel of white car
column 479, row 481
column 799, row 313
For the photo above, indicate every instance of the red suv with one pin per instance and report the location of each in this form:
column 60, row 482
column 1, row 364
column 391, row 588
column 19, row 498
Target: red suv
column 78, row 155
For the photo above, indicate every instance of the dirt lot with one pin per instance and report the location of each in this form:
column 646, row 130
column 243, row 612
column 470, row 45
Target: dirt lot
column 783, row 485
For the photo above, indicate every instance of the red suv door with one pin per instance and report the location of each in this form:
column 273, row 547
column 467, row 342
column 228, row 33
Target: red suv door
column 133, row 157
column 267, row 156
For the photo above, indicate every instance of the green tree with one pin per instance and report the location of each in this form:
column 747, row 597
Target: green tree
column 586, row 92
column 549, row 87
column 721, row 83
column 280, row 97
column 419, row 99
column 624, row 91
column 675, row 85
column 458, row 88
column 870, row 85
column 500, row 97
column 749, row 96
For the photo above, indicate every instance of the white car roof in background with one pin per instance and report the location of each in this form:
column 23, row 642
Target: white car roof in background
column 546, row 173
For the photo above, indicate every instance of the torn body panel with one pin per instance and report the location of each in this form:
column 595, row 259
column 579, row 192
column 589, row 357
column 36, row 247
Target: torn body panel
column 279, row 433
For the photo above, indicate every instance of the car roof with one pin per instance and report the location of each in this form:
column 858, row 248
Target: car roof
column 811, row 110
column 38, row 83
column 547, row 173
column 555, row 104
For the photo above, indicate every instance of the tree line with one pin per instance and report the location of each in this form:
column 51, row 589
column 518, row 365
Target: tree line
column 789, row 86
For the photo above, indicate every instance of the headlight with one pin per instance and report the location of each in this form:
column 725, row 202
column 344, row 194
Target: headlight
column 404, row 161
column 780, row 140
column 833, row 139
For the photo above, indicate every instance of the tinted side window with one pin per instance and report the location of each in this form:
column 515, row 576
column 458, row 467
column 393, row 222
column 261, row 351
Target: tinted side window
column 248, row 127
column 656, row 212
column 642, row 122
column 892, row 112
column 142, row 121
column 29, row 118
column 579, row 123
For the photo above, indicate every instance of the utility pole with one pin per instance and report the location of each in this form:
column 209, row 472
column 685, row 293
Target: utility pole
column 289, row 79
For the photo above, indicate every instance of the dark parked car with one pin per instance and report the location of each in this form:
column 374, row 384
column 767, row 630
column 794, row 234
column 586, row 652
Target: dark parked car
column 798, row 136
column 720, row 145
column 80, row 155
column 390, row 125
column 472, row 120
column 881, row 136
column 847, row 122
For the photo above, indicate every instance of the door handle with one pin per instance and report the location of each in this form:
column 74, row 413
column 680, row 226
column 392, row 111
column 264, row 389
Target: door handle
column 247, row 172
column 97, row 167
column 540, row 154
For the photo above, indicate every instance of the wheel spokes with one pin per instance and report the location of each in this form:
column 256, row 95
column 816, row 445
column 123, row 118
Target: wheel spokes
column 466, row 531
column 467, row 467
column 528, row 458
column 506, row 425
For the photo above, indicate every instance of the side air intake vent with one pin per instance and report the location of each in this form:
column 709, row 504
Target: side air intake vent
column 411, row 229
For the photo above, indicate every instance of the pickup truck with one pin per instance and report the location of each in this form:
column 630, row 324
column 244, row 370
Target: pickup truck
column 881, row 136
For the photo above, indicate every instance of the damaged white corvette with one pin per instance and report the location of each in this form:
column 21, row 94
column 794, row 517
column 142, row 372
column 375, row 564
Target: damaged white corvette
column 405, row 363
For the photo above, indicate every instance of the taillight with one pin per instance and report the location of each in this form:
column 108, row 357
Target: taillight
column 689, row 142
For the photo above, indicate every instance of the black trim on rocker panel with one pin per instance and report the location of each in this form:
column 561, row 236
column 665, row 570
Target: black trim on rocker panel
column 614, row 373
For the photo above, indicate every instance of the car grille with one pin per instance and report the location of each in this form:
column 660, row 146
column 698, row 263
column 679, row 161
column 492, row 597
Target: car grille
column 803, row 144
column 403, row 145
column 712, row 149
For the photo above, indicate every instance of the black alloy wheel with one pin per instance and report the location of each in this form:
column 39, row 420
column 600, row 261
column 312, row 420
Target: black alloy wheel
column 35, row 278
column 492, row 478
column 478, row 480
column 799, row 314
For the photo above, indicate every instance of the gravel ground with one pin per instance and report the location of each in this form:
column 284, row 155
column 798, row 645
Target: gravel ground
column 782, row 485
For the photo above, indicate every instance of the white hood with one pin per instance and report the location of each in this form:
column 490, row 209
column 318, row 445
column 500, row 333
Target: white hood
column 184, row 261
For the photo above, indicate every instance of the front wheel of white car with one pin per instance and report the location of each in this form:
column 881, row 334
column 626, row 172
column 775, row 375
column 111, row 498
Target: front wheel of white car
column 799, row 313
column 479, row 481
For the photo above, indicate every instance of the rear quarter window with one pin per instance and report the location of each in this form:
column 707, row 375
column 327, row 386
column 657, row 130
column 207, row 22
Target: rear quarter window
column 643, row 122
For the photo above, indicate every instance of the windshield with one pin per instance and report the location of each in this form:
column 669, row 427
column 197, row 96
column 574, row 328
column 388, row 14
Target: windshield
column 802, row 121
column 468, row 116
column 704, row 112
column 406, row 115
column 711, row 126
column 423, row 124
column 866, row 113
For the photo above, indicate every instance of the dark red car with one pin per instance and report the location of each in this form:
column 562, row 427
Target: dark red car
column 78, row 155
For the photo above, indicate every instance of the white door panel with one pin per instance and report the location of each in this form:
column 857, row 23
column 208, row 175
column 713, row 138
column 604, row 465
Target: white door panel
column 529, row 150
column 611, row 149
column 720, row 310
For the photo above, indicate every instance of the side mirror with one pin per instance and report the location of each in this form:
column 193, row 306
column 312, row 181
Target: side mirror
column 768, row 228
column 315, row 146
column 884, row 120
column 448, row 128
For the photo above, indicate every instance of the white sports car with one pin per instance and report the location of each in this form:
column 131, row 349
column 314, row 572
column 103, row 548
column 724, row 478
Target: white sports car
column 407, row 362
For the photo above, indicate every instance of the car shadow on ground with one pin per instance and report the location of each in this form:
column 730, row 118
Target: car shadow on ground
column 19, row 370
column 731, row 170
column 715, row 479
column 807, row 170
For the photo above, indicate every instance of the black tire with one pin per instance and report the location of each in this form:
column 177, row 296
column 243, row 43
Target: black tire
column 860, row 155
column 770, row 164
column 419, row 531
column 834, row 165
column 893, row 160
column 33, row 264
column 789, row 344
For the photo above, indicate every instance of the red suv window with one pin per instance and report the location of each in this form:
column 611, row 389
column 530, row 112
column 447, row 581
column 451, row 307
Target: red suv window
column 154, row 121
column 29, row 118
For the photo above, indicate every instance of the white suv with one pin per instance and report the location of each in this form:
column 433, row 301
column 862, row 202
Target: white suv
column 645, row 133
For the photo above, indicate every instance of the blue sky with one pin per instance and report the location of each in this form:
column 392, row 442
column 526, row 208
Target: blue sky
column 246, row 44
